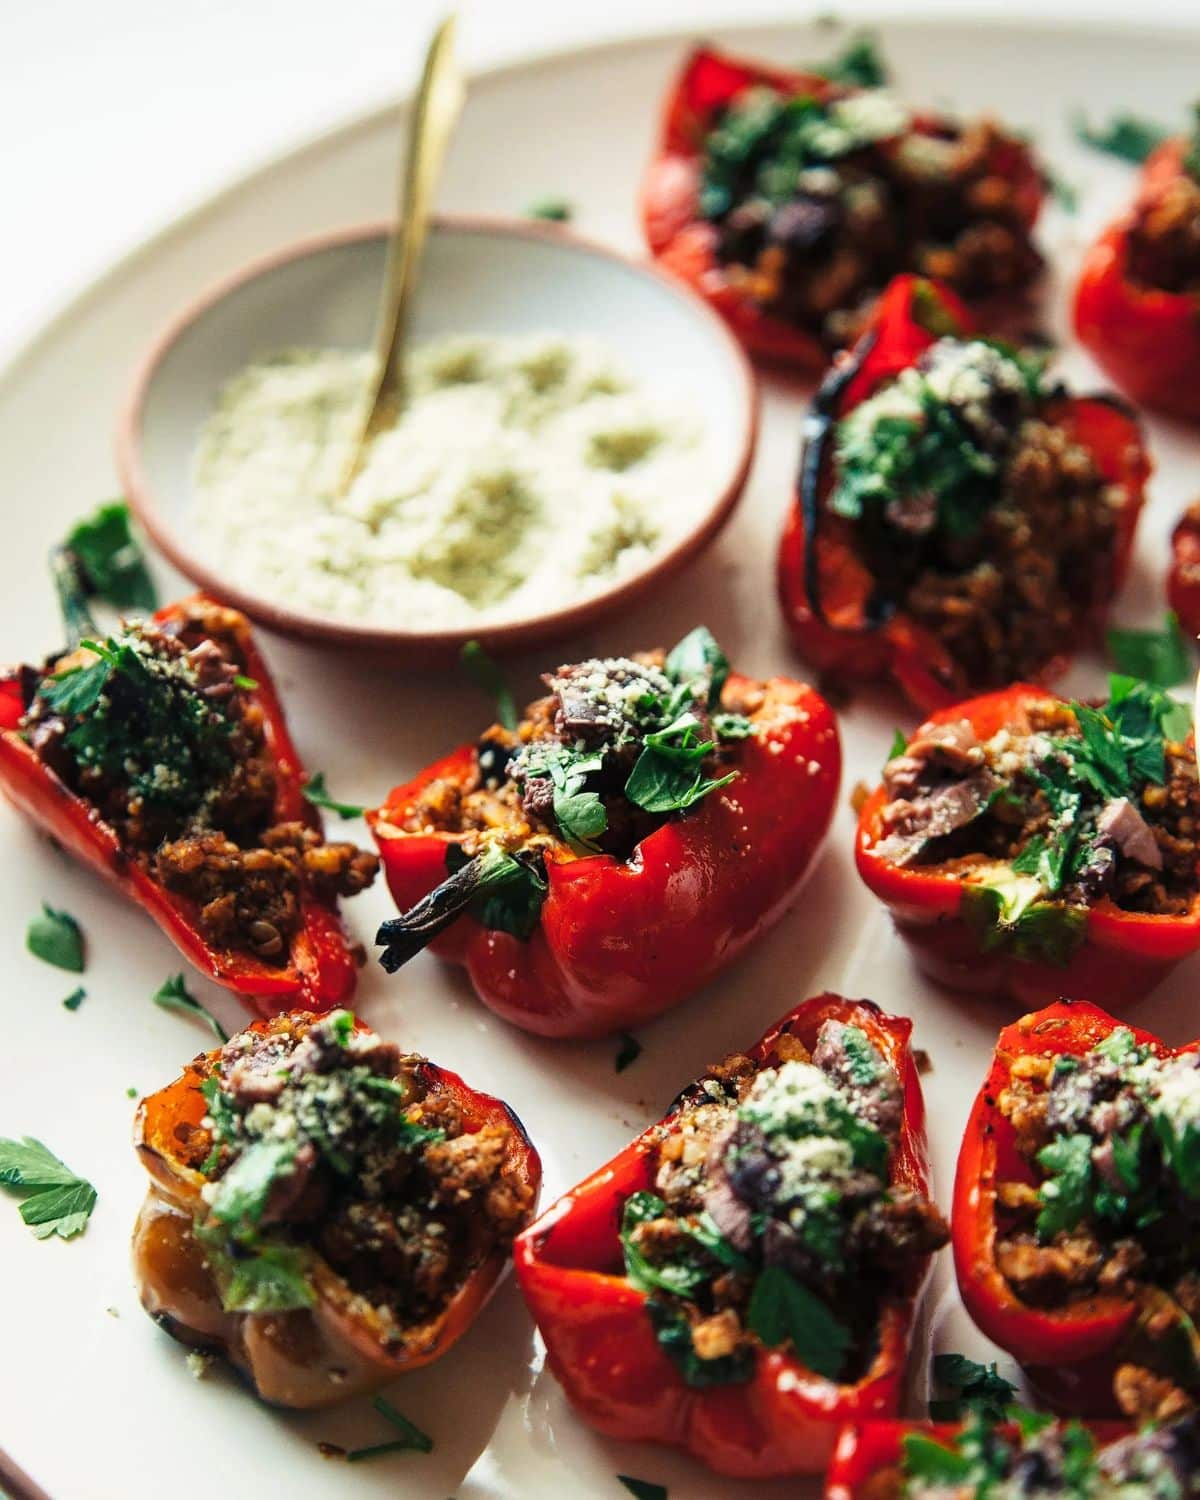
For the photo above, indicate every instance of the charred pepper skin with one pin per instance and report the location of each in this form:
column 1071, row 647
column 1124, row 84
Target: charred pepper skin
column 868, row 1453
column 620, row 941
column 600, row 1341
column 310, row 1357
column 1070, row 1353
column 825, row 589
column 685, row 244
column 1122, row 955
column 320, row 971
column 1145, row 338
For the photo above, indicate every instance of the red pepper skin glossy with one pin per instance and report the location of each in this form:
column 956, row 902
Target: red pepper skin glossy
column 620, row 941
column 1069, row 1353
column 309, row 1357
column 902, row 650
column 1123, row 954
column 1145, row 338
column 686, row 244
column 866, row 1461
column 320, row 971
column 601, row 1344
column 1183, row 576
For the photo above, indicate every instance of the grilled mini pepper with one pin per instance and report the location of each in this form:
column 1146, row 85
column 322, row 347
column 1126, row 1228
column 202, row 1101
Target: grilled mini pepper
column 1029, row 848
column 1032, row 1455
column 638, row 829
column 325, row 1211
column 959, row 523
column 1137, row 304
column 160, row 757
column 743, row 1276
column 789, row 201
column 1077, row 1212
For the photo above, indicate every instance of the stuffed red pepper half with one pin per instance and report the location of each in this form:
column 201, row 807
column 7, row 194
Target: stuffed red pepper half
column 789, row 201
column 743, row 1276
column 1031, row 1455
column 1137, row 305
column 325, row 1211
column 961, row 522
column 596, row 862
column 1028, row 847
column 159, row 755
column 1183, row 576
column 1077, row 1212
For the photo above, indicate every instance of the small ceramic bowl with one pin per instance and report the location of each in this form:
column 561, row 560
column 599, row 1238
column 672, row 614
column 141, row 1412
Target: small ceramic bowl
column 479, row 276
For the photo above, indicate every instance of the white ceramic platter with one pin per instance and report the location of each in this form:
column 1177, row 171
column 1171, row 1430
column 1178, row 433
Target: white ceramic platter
column 95, row 1401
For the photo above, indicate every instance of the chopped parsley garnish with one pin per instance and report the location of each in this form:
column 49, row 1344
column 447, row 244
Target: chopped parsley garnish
column 316, row 792
column 975, row 1387
column 75, row 999
column 683, row 1276
column 1130, row 137
column 899, row 745
column 173, row 994
column 782, row 1311
column 487, row 676
column 140, row 720
column 1160, row 657
column 628, row 1052
column 54, row 1199
column 981, row 1457
column 56, row 938
column 643, row 1489
column 411, row 1439
column 553, row 210
column 111, row 561
column 858, row 65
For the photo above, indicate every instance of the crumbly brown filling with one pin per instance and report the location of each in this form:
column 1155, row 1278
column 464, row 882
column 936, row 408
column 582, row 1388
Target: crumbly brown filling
column 1164, row 238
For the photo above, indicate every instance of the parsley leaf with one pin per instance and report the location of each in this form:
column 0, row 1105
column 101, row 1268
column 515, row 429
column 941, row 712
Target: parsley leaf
column 173, row 994
column 899, row 745
column 56, row 938
column 643, row 1489
column 674, row 1338
column 508, row 894
column 977, row 1386
column 858, row 65
column 1160, row 657
column 272, row 1278
column 698, row 661
column 783, row 1311
column 553, row 210
column 243, row 1191
column 316, row 793
column 78, row 689
column 660, row 785
column 1066, row 1192
column 75, row 999
column 487, row 676
column 929, row 1461
column 56, row 1200
column 1130, row 137
column 114, row 567
column 628, row 1053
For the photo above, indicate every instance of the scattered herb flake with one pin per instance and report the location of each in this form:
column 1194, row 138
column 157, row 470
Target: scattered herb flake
column 112, row 563
column 75, row 999
column 859, row 64
column 553, row 210
column 1129, row 137
column 628, row 1053
column 1161, row 657
column 56, row 938
column 316, row 793
column 56, row 1201
column 132, row 1092
column 643, row 1489
column 174, row 995
column 412, row 1439
column 247, row 684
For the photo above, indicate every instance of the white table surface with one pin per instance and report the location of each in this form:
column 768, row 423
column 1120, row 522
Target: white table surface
column 115, row 115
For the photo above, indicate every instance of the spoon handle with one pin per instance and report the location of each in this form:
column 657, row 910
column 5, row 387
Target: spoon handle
column 435, row 113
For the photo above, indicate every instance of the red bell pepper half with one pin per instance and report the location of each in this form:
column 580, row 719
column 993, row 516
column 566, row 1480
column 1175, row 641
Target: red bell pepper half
column 602, row 1345
column 826, row 589
column 686, row 244
column 1070, row 1353
column 1116, row 955
column 1146, row 338
column 867, row 1461
column 618, row 941
column 320, row 970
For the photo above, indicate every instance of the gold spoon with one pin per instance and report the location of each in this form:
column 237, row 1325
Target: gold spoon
column 435, row 113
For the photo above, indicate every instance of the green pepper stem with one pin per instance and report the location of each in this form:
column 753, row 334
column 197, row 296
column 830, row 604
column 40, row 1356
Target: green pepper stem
column 403, row 937
column 72, row 596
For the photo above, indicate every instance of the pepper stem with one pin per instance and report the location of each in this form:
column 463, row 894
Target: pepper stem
column 405, row 936
column 72, row 596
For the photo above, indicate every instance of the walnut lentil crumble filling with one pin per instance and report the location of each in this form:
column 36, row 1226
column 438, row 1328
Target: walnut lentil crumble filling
column 173, row 755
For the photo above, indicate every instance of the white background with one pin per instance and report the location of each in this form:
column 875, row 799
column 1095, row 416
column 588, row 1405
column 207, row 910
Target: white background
column 117, row 114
